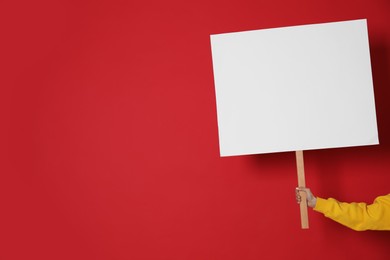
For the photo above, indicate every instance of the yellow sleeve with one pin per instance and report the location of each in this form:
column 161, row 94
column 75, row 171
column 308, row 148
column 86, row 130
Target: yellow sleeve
column 358, row 216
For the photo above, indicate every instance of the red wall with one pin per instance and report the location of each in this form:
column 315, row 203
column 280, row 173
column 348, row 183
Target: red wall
column 109, row 142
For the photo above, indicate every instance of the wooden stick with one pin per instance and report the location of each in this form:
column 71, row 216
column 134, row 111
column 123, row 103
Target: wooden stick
column 302, row 183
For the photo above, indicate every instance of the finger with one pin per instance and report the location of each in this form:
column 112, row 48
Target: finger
column 298, row 198
column 301, row 189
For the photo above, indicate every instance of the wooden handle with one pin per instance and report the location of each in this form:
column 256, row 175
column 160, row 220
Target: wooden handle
column 302, row 183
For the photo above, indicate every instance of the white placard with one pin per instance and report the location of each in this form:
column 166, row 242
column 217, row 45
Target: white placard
column 294, row 88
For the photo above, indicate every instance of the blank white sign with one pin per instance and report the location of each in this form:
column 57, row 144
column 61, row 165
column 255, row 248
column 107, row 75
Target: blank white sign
column 294, row 88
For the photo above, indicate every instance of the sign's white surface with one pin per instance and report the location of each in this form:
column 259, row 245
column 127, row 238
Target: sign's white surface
column 294, row 88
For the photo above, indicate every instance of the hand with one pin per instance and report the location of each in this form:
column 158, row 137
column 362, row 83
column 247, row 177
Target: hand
column 311, row 200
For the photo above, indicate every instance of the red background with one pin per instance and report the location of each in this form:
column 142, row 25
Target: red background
column 109, row 142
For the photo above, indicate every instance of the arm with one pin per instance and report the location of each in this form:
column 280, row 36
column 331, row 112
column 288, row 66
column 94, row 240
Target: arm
column 357, row 216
